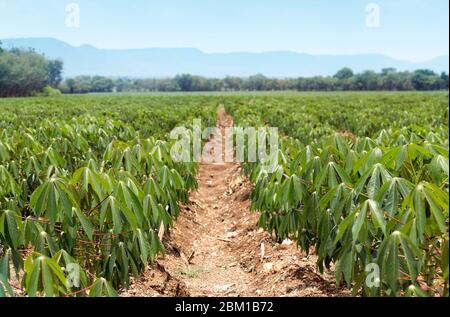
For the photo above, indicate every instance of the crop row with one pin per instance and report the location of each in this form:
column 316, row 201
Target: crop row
column 373, row 205
column 85, row 191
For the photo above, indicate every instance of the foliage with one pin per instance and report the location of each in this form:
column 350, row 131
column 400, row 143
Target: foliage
column 49, row 91
column 345, row 79
column 360, row 200
column 24, row 73
column 86, row 183
column 83, row 197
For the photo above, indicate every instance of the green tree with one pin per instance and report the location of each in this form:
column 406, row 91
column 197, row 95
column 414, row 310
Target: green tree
column 368, row 80
column 55, row 68
column 185, row 82
column 71, row 84
column 444, row 81
column 388, row 71
column 22, row 73
column 232, row 83
column 424, row 79
column 344, row 73
column 256, row 82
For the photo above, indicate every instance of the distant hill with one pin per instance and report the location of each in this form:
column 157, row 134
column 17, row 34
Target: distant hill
column 165, row 62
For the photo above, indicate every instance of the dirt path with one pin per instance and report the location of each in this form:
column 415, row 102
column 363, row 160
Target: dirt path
column 216, row 249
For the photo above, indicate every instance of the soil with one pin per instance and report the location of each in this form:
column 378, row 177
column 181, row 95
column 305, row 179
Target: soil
column 217, row 249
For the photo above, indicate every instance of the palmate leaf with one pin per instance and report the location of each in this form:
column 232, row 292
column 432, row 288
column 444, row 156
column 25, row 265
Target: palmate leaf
column 4, row 152
column 32, row 166
column 131, row 205
column 155, row 245
column 425, row 197
column 372, row 180
column 87, row 177
column 344, row 266
column 52, row 157
column 110, row 212
column 152, row 188
column 389, row 262
column 131, row 162
column 291, row 193
column 43, row 275
column 392, row 193
column 361, row 218
column 396, row 157
column 178, row 182
column 52, row 199
column 85, row 223
column 330, row 175
column 144, row 246
column 389, row 259
column 313, row 169
column 439, row 168
column 367, row 160
column 44, row 243
column 325, row 200
column 377, row 215
column 10, row 227
column 67, row 262
column 164, row 177
column 7, row 183
column 123, row 261
column 5, row 287
column 415, row 150
column 344, row 225
column 101, row 288
column 379, row 176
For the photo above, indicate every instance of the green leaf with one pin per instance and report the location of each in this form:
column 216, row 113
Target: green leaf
column 360, row 219
column 344, row 225
column 5, row 287
column 343, row 175
column 143, row 246
column 411, row 252
column 13, row 228
column 345, row 266
column 377, row 215
column 47, row 280
column 85, row 223
column 390, row 266
column 101, row 288
column 444, row 259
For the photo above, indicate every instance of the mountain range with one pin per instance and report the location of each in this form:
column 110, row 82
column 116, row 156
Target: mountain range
column 167, row 62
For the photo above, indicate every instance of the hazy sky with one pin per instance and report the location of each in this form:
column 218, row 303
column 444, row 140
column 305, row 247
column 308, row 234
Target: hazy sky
column 408, row 29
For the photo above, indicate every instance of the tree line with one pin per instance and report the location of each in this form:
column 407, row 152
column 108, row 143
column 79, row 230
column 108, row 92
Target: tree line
column 26, row 73
column 343, row 80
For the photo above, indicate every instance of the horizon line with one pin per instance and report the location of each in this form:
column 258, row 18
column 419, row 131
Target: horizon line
column 226, row 52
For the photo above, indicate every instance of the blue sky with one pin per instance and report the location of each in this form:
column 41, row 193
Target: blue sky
column 415, row 30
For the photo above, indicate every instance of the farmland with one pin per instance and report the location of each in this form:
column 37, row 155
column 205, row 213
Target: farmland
column 86, row 181
column 364, row 180
column 87, row 184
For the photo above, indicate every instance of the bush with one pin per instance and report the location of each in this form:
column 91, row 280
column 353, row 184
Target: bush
column 50, row 92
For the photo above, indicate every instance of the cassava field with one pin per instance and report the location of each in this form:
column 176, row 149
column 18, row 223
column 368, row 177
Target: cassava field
column 93, row 204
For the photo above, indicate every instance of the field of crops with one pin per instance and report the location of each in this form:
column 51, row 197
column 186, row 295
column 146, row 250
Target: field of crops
column 87, row 183
column 364, row 180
